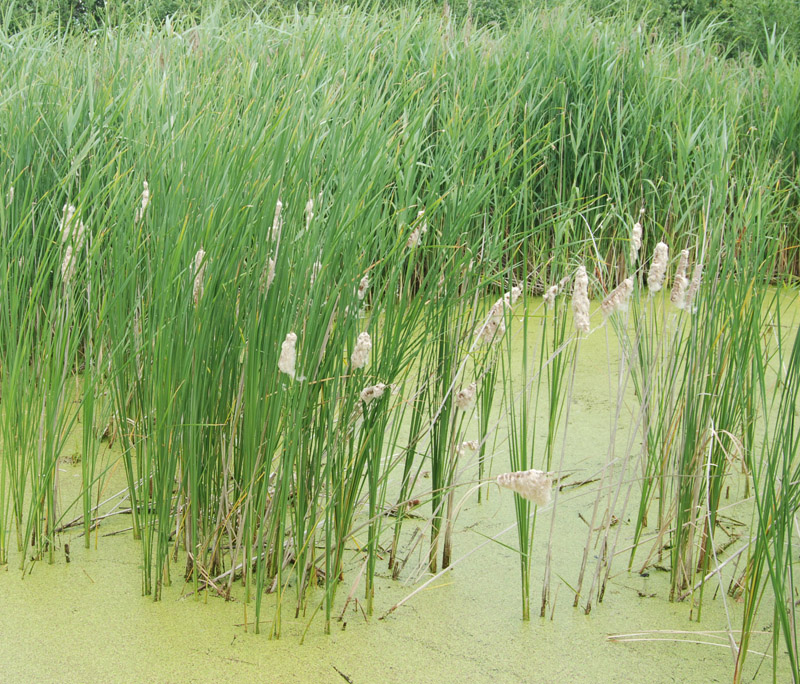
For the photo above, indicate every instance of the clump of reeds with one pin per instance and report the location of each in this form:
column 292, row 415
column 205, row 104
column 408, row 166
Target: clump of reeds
column 225, row 469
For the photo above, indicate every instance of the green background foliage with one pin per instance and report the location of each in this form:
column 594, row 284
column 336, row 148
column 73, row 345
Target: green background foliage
column 739, row 25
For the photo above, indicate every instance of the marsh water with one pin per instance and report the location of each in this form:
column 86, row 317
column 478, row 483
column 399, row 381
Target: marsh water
column 86, row 621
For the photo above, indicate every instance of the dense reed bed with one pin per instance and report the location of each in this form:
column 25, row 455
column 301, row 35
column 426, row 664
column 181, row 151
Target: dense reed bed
column 280, row 267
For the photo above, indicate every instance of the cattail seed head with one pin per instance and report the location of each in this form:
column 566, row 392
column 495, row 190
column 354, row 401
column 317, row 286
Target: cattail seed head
column 680, row 282
column 309, row 212
column 469, row 447
column 360, row 355
column 617, row 300
column 267, row 275
column 494, row 326
column 465, row 397
column 315, row 270
column 694, row 286
column 580, row 300
column 73, row 235
column 658, row 269
column 636, row 241
column 420, row 230
column 72, row 229
column 510, row 298
column 549, row 296
column 373, row 392
column 65, row 227
column 534, row 485
column 199, row 270
column 288, row 357
column 68, row 265
column 277, row 221
column 145, row 201
column 363, row 286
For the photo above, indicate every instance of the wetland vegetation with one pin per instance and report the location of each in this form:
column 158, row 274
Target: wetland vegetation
column 286, row 301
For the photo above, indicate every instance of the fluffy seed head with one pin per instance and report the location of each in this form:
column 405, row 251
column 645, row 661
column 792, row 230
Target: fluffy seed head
column 267, row 275
column 636, row 241
column 65, row 227
column 617, row 300
column 580, row 300
column 71, row 228
column 694, row 286
column 288, row 357
column 494, row 326
column 465, row 397
column 363, row 286
column 510, row 298
column 418, row 232
column 373, row 392
column 309, row 212
column 68, row 265
column 315, row 269
column 199, row 270
column 73, row 235
column 145, row 201
column 549, row 297
column 681, row 282
column 658, row 269
column 469, row 447
column 534, row 485
column 360, row 355
column 277, row 221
